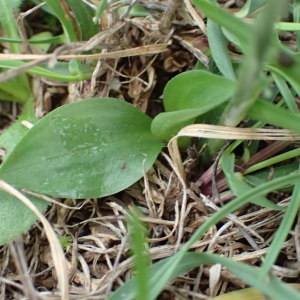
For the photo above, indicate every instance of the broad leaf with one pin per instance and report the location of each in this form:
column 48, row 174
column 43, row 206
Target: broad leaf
column 188, row 96
column 90, row 148
column 197, row 89
column 166, row 125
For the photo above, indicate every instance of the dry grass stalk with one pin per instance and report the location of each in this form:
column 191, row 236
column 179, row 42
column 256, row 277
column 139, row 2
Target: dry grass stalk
column 225, row 133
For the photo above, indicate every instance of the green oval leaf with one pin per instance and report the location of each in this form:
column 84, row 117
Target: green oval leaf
column 188, row 96
column 197, row 89
column 90, row 148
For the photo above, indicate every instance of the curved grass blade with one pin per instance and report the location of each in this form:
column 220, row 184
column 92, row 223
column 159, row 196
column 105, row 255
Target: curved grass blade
column 138, row 233
column 272, row 161
column 234, row 25
column 248, row 85
column 281, row 233
column 60, row 39
column 296, row 17
column 248, row 294
column 84, row 16
column 102, row 6
column 64, row 18
column 271, row 114
column 272, row 287
column 166, row 271
column 218, row 47
column 249, row 8
column 237, row 184
column 60, row 71
column 285, row 93
column 219, row 50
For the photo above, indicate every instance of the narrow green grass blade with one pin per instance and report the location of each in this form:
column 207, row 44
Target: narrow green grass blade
column 84, row 16
column 165, row 273
column 296, row 16
column 138, row 239
column 60, row 39
column 248, row 294
column 218, row 47
column 7, row 20
column 271, row 114
column 287, row 26
column 66, row 22
column 281, row 232
column 234, row 25
column 237, row 183
column 257, row 124
column 249, row 84
column 273, row 287
column 59, row 72
column 272, row 161
column 290, row 72
column 100, row 10
column 250, row 7
column 285, row 93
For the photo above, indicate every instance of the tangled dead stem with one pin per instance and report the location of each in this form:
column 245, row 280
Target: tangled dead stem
column 97, row 249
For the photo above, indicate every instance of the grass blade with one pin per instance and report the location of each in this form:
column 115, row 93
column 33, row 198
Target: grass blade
column 281, row 232
column 138, row 234
column 219, row 49
column 272, row 287
column 237, row 183
column 165, row 273
column 234, row 25
column 285, row 93
column 296, row 16
column 248, row 85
